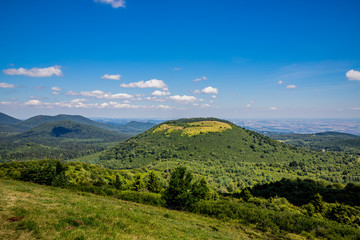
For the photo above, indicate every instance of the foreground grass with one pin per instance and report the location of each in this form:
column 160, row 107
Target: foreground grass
column 53, row 213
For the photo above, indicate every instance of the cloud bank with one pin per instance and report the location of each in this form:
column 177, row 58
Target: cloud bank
column 35, row 72
column 111, row 77
column 113, row 3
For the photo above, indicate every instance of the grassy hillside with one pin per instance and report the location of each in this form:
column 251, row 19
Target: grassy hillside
column 61, row 140
column 29, row 211
column 230, row 156
column 328, row 141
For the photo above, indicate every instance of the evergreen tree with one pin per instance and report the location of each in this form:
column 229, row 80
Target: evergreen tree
column 177, row 195
column 138, row 183
column 154, row 184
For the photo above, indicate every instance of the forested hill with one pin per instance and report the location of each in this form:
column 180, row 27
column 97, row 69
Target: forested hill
column 328, row 141
column 232, row 156
column 6, row 119
column 70, row 129
column 60, row 140
column 41, row 119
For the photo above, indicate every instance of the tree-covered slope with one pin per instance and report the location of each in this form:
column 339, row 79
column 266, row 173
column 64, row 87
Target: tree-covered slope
column 328, row 141
column 6, row 119
column 41, row 119
column 61, row 140
column 233, row 157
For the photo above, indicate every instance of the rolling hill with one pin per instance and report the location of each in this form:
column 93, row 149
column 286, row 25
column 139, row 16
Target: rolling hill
column 231, row 157
column 61, row 140
column 328, row 141
column 41, row 119
column 6, row 119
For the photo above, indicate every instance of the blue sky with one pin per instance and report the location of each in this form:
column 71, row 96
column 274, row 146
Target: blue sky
column 172, row 58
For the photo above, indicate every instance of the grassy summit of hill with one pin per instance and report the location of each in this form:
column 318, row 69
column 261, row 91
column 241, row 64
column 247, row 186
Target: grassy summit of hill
column 228, row 155
column 194, row 128
column 30, row 211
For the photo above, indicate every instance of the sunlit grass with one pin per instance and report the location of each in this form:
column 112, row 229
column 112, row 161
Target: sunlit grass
column 52, row 213
column 195, row 128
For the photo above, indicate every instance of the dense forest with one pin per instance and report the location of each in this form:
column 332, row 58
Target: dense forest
column 325, row 141
column 232, row 158
column 319, row 214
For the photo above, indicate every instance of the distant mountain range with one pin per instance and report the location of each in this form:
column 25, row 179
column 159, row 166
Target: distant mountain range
column 11, row 125
column 61, row 136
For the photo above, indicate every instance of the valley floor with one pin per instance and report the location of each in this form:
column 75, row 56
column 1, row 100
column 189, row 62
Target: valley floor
column 53, row 213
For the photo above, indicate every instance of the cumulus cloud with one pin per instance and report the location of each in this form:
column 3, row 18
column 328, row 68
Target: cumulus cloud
column 7, row 85
column 113, row 3
column 111, row 77
column 207, row 90
column 35, row 72
column 291, row 86
column 280, row 82
column 153, row 83
column 183, row 99
column 210, row 90
column 33, row 102
column 200, row 79
column 273, row 108
column 100, row 94
column 160, row 93
column 56, row 89
column 353, row 75
column 213, row 96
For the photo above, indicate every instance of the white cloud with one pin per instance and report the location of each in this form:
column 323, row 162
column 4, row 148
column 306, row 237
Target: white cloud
column 210, row 90
column 113, row 3
column 213, row 96
column 273, row 108
column 160, row 93
column 177, row 68
column 111, row 77
column 35, row 72
column 212, row 101
column 207, row 90
column 33, row 102
column 183, row 99
column 291, row 86
column 355, row 108
column 165, row 107
column 55, row 93
column 248, row 105
column 7, row 85
column 206, row 105
column 153, row 83
column 100, row 94
column 155, row 99
column 280, row 82
column 56, row 89
column 200, row 79
column 353, row 75
column 252, row 101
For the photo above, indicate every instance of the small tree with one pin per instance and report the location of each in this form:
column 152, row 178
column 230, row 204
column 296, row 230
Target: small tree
column 318, row 203
column 138, row 183
column 177, row 194
column 246, row 194
column 182, row 193
column 154, row 184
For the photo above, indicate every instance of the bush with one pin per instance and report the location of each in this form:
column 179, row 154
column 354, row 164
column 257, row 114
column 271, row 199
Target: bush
column 141, row 197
